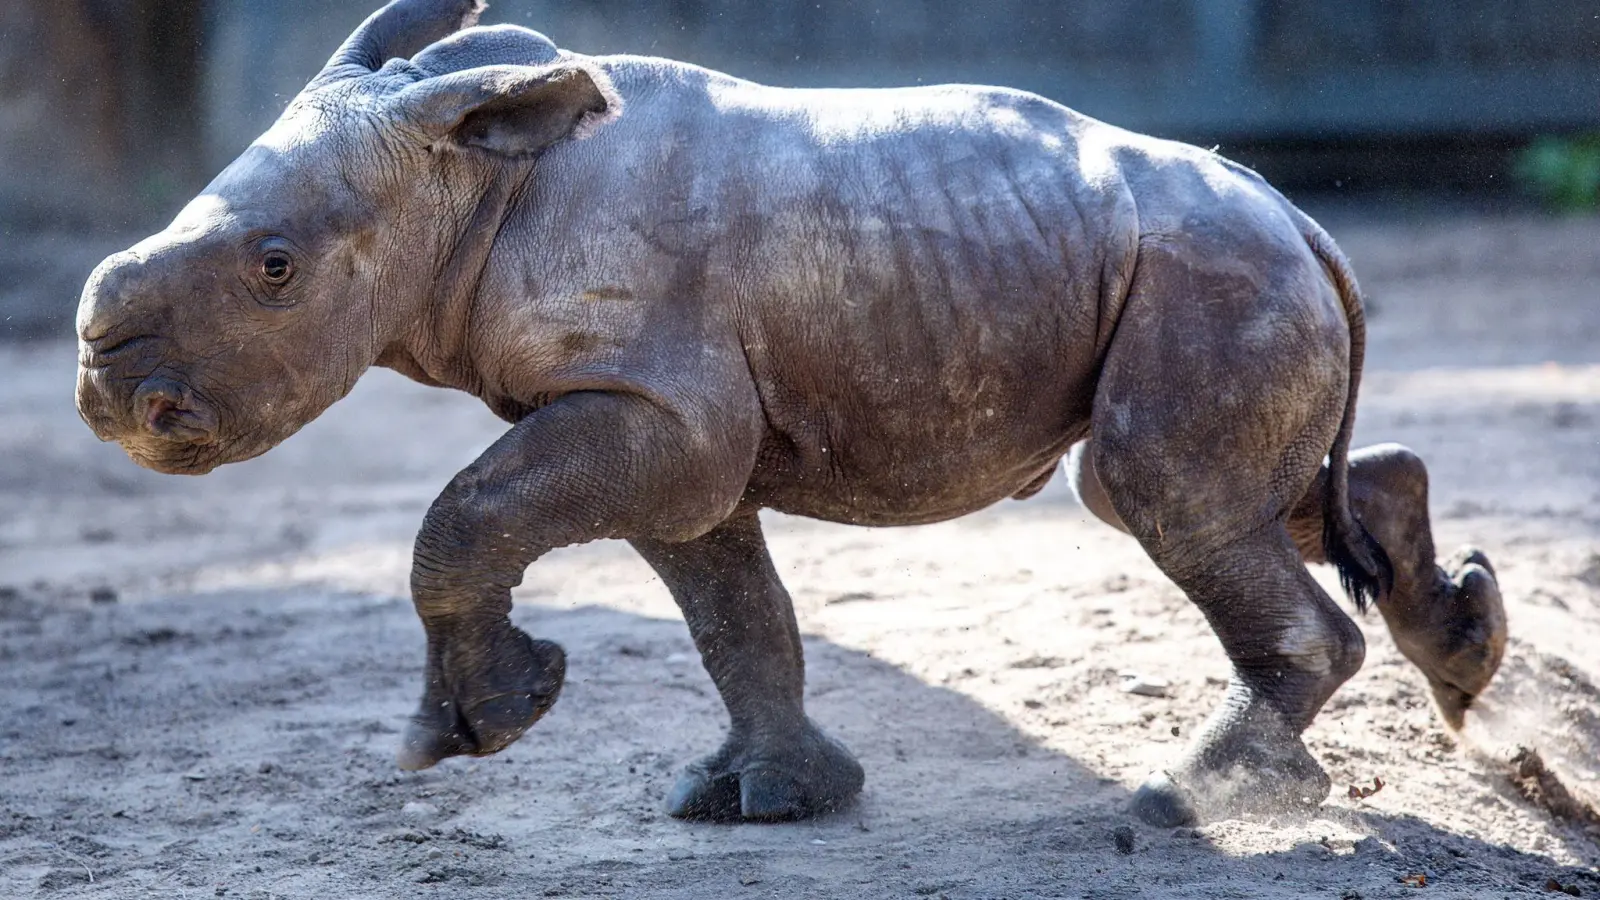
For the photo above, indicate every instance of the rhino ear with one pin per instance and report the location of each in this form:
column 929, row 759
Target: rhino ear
column 513, row 111
column 400, row 28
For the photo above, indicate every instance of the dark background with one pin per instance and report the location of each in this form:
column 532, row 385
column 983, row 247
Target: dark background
column 113, row 112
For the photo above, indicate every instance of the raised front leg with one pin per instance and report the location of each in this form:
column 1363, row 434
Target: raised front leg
column 775, row 763
column 590, row 465
column 1448, row 620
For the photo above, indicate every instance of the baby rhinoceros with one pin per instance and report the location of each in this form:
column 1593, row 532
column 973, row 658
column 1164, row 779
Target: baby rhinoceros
column 695, row 297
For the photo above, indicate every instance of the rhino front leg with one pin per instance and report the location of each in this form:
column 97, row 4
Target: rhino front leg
column 1448, row 620
column 775, row 763
column 591, row 465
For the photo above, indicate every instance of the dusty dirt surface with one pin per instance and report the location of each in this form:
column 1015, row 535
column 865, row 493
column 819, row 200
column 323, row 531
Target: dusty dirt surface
column 202, row 680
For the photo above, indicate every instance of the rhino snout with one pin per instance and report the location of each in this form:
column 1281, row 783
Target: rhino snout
column 127, row 391
column 160, row 410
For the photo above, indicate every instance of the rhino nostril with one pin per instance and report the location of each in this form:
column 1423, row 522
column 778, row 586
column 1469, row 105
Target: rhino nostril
column 157, row 409
column 169, row 410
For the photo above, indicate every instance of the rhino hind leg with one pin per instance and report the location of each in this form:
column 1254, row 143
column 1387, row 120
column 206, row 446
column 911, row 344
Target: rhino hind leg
column 1448, row 619
column 1243, row 733
column 1187, row 382
column 775, row 763
column 1291, row 647
column 1290, row 644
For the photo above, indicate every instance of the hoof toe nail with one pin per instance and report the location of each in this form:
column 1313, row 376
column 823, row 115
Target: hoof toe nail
column 700, row 796
column 1161, row 803
column 768, row 796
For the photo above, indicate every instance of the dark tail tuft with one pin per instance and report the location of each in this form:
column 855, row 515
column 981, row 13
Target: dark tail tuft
column 1365, row 572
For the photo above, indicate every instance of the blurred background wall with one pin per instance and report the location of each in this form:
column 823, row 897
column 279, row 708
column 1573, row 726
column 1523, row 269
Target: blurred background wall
column 114, row 112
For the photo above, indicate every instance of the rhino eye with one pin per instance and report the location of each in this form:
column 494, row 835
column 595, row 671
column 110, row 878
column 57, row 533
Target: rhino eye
column 277, row 267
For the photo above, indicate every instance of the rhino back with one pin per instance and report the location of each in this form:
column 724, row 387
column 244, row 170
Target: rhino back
column 922, row 280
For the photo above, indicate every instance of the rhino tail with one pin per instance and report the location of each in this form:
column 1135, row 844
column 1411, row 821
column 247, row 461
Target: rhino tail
column 1365, row 572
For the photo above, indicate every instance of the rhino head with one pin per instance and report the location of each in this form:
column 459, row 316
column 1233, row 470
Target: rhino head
column 323, row 244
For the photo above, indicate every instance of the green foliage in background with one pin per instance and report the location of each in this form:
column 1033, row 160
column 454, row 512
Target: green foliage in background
column 1564, row 172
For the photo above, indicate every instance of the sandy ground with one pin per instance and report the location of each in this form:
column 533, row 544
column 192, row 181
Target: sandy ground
column 202, row 680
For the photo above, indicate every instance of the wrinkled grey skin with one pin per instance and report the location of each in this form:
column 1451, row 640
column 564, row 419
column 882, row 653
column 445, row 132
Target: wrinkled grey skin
column 695, row 297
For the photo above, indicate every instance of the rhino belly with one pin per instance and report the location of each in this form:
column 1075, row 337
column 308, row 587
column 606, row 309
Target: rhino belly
column 925, row 448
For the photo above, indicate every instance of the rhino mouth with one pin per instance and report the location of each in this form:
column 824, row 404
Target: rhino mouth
column 99, row 352
column 187, row 459
column 191, row 459
column 158, row 418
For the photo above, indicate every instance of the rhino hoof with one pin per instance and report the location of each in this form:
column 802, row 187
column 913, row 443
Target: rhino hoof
column 700, row 794
column 1298, row 787
column 1250, row 763
column 758, row 795
column 1161, row 803
column 519, row 688
column 1473, row 638
column 766, row 796
column 738, row 784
